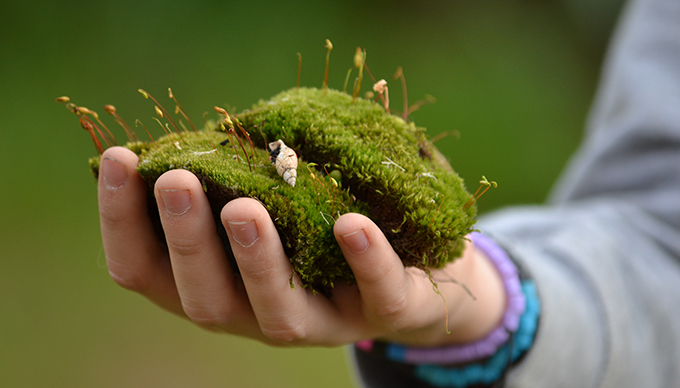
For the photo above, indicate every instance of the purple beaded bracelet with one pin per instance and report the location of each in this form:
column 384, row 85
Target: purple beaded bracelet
column 488, row 345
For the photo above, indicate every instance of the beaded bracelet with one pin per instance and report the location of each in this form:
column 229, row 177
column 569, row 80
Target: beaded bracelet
column 492, row 369
column 485, row 361
column 488, row 345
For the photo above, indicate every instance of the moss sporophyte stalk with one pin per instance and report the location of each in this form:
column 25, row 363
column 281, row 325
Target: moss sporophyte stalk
column 351, row 155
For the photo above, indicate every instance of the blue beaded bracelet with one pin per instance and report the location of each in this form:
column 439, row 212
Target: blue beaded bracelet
column 493, row 368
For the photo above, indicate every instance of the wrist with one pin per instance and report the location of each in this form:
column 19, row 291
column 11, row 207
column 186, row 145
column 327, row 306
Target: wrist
column 475, row 304
column 481, row 310
column 475, row 301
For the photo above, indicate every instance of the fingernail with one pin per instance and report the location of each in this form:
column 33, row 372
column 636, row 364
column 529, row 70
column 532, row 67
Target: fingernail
column 176, row 202
column 113, row 172
column 244, row 233
column 356, row 241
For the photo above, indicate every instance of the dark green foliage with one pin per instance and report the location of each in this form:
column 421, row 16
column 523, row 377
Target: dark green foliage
column 388, row 171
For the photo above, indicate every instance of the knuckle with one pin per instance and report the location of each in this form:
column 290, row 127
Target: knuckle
column 286, row 333
column 258, row 275
column 393, row 313
column 257, row 267
column 379, row 274
column 110, row 215
column 208, row 317
column 130, row 281
column 184, row 246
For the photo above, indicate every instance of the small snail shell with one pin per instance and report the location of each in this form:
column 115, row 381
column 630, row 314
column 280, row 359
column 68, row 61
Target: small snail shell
column 285, row 160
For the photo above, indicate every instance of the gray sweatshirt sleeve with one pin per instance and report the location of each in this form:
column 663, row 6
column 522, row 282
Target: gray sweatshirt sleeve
column 605, row 251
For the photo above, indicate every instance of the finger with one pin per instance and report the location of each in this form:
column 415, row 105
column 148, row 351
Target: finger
column 284, row 314
column 388, row 290
column 134, row 255
column 406, row 301
column 204, row 278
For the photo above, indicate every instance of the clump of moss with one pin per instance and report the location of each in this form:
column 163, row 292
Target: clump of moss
column 353, row 157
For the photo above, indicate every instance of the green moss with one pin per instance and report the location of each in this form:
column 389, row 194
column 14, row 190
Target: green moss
column 386, row 167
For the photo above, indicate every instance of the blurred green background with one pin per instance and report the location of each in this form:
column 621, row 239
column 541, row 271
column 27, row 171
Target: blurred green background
column 515, row 78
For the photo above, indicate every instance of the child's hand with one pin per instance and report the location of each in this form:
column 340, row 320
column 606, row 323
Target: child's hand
column 192, row 276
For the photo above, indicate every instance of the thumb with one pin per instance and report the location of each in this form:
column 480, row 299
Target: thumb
column 380, row 274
